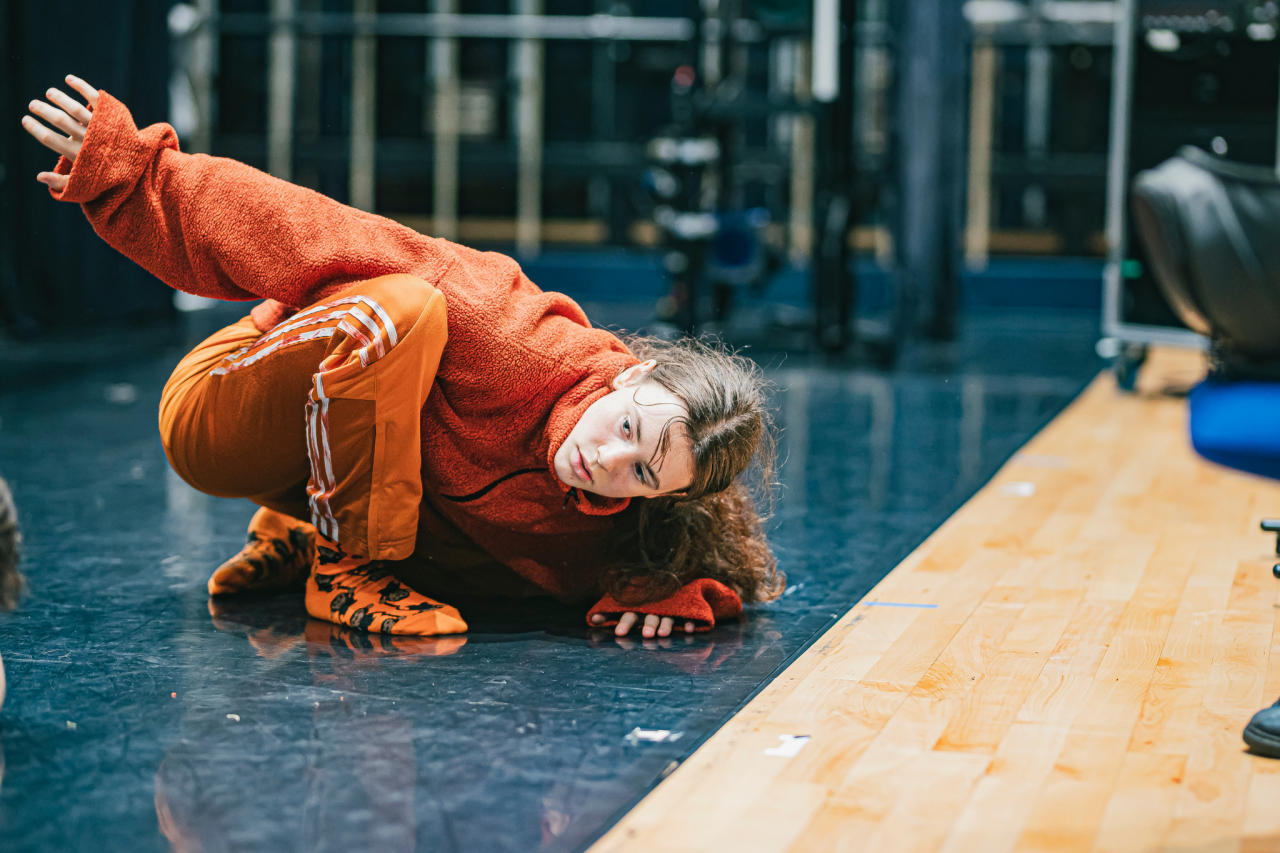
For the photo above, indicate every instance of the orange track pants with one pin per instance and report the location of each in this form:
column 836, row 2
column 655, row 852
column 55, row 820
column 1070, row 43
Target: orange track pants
column 320, row 419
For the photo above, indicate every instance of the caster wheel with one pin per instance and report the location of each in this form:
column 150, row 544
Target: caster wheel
column 1127, row 364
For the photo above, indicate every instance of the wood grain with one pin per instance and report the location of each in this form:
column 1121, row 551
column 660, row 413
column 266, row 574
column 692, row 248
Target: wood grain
column 1095, row 649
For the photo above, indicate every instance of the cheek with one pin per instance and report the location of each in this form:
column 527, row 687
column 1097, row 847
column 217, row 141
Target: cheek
column 584, row 432
column 601, row 432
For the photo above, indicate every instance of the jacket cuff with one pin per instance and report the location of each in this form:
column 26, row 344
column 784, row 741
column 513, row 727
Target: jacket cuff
column 113, row 155
column 702, row 601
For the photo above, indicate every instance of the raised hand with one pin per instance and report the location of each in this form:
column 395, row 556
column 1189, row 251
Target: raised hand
column 66, row 115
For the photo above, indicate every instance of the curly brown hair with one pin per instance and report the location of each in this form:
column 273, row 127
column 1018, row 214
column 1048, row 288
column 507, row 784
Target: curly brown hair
column 713, row 530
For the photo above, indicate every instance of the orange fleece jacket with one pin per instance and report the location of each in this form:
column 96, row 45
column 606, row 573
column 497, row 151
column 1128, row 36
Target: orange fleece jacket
column 520, row 368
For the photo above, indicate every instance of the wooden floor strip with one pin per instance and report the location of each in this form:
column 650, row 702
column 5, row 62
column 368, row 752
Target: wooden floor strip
column 1075, row 676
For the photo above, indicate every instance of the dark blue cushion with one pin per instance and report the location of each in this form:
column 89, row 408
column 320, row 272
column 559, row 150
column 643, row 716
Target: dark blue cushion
column 1238, row 424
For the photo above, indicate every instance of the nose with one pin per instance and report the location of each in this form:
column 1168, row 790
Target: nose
column 607, row 456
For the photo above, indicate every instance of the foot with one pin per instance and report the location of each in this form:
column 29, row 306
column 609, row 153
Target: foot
column 367, row 596
column 1263, row 732
column 278, row 556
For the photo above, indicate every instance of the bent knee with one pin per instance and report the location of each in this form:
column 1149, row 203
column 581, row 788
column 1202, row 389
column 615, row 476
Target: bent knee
column 405, row 300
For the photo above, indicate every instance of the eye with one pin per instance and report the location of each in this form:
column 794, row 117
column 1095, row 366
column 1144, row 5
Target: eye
column 626, row 426
column 640, row 472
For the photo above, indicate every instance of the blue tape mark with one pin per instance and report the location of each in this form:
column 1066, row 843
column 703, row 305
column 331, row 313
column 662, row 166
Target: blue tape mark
column 899, row 604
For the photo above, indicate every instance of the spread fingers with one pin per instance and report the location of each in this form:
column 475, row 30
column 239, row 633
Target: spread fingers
column 56, row 117
column 89, row 93
column 70, row 106
column 53, row 141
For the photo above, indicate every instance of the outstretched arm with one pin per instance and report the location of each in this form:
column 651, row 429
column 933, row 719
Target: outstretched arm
column 208, row 225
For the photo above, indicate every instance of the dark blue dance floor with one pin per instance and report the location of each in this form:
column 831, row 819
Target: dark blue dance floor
column 142, row 717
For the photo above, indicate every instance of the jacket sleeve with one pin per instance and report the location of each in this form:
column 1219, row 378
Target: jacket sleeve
column 702, row 601
column 215, row 227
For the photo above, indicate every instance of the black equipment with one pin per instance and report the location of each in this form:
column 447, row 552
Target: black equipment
column 1205, row 74
column 1211, row 229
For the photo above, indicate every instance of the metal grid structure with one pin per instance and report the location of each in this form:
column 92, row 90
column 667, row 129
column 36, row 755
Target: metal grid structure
column 717, row 41
column 770, row 71
column 1083, row 32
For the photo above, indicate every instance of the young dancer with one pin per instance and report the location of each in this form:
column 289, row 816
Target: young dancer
column 440, row 422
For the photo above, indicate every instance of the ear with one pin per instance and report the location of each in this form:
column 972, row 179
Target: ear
column 634, row 374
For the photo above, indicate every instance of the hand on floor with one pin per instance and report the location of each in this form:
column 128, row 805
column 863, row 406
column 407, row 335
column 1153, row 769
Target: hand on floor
column 66, row 115
column 653, row 625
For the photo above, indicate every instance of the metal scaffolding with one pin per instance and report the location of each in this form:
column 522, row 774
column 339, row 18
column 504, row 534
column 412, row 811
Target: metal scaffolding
column 197, row 28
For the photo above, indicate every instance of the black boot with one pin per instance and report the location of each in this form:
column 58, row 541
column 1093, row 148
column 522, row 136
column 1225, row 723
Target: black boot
column 1263, row 732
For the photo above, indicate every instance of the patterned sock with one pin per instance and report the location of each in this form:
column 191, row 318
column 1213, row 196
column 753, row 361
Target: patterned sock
column 361, row 594
column 278, row 556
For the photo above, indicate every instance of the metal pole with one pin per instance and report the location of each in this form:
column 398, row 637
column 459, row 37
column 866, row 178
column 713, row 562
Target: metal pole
column 826, row 50
column 1039, row 91
column 802, row 162
column 510, row 26
column 204, row 65
column 604, row 91
column 444, row 66
column 977, row 229
column 1118, row 162
column 712, row 62
column 306, row 97
column 834, row 286
column 932, row 56
column 529, row 68
column 281, row 84
column 1278, row 139
column 363, row 106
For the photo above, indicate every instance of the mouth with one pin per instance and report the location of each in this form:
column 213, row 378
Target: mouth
column 579, row 466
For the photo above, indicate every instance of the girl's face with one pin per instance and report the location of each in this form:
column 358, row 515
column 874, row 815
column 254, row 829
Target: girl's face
column 612, row 449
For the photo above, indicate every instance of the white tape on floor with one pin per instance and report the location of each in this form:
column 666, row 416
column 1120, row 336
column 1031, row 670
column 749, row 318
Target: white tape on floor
column 790, row 746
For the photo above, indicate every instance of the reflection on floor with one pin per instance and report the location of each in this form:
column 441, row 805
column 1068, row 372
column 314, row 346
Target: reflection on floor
column 142, row 716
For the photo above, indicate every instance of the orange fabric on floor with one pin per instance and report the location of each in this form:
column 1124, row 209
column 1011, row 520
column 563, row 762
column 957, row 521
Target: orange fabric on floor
column 326, row 405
